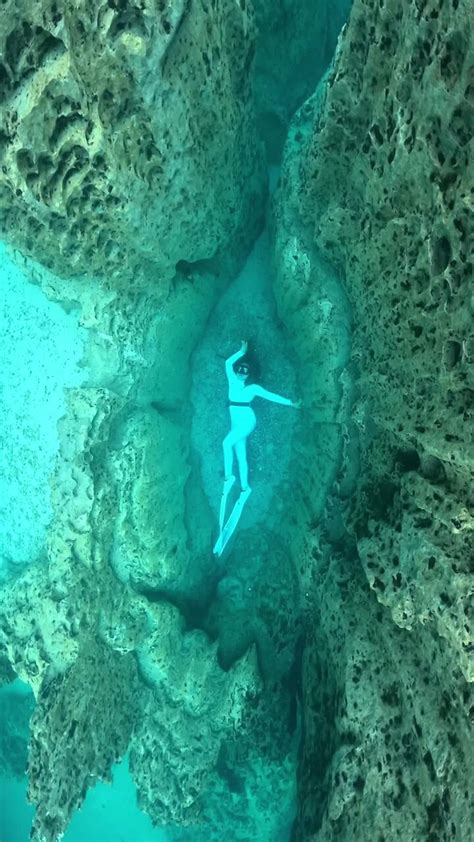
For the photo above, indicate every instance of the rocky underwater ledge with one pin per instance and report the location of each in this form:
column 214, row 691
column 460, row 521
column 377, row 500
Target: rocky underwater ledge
column 315, row 684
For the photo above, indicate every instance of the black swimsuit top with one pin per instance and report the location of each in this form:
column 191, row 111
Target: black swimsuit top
column 236, row 403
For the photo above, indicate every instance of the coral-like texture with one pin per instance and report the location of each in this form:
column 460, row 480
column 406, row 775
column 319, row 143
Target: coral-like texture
column 194, row 704
column 81, row 725
column 378, row 183
column 113, row 119
column 387, row 742
column 396, row 218
column 106, row 109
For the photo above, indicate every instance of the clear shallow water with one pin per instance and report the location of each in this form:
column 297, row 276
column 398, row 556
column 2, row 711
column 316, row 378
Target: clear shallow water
column 109, row 813
column 48, row 346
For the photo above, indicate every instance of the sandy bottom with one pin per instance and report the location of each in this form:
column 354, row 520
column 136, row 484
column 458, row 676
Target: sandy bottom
column 245, row 311
column 41, row 347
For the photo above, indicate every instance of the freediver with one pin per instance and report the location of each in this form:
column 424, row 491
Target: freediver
column 242, row 424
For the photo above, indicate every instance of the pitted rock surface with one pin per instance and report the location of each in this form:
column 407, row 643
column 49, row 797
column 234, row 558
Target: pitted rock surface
column 112, row 119
column 378, row 182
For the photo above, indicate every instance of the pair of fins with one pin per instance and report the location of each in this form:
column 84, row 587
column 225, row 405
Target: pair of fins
column 226, row 531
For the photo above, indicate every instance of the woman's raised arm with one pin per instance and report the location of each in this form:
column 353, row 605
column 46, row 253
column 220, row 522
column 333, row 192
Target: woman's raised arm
column 229, row 363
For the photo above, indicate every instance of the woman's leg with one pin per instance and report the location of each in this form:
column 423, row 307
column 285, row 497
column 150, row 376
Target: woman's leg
column 226, row 531
column 228, row 448
column 242, row 424
column 229, row 479
column 241, row 453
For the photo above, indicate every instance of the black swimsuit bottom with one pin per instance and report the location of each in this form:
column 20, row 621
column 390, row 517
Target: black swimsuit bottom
column 236, row 403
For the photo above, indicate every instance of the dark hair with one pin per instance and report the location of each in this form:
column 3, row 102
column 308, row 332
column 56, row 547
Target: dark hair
column 250, row 360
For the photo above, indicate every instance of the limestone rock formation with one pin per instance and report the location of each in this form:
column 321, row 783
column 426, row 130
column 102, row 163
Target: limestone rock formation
column 378, row 184
column 112, row 120
column 131, row 168
column 106, row 110
column 192, row 705
column 81, row 725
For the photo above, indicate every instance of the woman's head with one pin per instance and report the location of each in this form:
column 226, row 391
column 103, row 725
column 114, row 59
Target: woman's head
column 242, row 369
column 248, row 365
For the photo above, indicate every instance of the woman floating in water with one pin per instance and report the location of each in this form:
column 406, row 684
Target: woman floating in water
column 242, row 423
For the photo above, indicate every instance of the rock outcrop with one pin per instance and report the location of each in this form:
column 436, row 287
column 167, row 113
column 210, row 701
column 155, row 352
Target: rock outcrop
column 378, row 184
column 112, row 121
column 131, row 167
column 107, row 110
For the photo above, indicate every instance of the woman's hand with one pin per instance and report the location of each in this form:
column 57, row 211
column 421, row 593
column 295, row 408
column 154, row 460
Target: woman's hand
column 244, row 346
column 297, row 404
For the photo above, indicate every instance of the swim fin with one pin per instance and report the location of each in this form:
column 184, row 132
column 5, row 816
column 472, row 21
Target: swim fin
column 231, row 525
column 228, row 483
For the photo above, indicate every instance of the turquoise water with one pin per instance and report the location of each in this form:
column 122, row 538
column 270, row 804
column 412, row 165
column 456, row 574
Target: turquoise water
column 228, row 234
column 150, row 689
column 41, row 352
column 109, row 813
column 110, row 810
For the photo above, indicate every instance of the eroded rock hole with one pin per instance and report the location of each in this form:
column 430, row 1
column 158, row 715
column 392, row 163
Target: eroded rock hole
column 452, row 58
column 452, row 353
column 128, row 20
column 441, row 254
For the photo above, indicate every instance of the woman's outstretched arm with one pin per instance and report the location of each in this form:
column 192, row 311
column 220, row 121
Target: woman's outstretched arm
column 260, row 392
column 229, row 363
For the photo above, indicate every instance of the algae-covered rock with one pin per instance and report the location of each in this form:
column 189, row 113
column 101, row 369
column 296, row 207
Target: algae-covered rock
column 112, row 120
column 387, row 739
column 133, row 171
column 191, row 707
column 376, row 183
column 81, row 726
